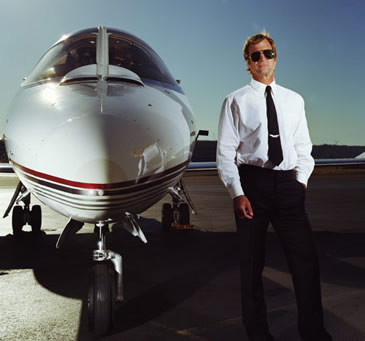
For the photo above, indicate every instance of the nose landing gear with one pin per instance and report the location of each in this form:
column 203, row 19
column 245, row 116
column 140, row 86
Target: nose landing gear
column 106, row 285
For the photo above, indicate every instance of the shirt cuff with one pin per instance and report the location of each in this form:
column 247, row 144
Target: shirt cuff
column 235, row 190
column 302, row 178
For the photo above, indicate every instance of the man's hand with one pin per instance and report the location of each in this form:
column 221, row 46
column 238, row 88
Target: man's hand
column 242, row 207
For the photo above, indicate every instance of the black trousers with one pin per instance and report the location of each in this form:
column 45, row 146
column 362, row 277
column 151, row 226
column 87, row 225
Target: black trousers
column 278, row 198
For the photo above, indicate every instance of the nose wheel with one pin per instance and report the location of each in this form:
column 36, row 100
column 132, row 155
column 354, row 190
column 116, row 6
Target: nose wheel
column 101, row 298
column 106, row 285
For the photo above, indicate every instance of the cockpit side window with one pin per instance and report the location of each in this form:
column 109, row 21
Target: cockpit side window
column 126, row 52
column 64, row 57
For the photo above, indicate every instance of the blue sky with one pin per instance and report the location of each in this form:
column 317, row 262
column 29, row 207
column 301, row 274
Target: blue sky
column 321, row 50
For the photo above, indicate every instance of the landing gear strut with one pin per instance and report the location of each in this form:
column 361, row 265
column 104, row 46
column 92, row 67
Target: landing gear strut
column 106, row 285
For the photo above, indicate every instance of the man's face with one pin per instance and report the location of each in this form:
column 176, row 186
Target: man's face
column 263, row 69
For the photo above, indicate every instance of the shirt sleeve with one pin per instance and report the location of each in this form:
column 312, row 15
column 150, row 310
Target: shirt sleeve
column 228, row 142
column 303, row 148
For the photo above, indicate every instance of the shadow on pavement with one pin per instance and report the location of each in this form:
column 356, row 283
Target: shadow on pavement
column 168, row 271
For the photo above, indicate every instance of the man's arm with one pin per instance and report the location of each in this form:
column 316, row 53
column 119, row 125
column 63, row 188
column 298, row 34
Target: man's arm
column 228, row 142
column 303, row 148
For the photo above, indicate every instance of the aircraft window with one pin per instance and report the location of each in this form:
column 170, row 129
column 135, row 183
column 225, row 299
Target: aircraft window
column 64, row 57
column 126, row 52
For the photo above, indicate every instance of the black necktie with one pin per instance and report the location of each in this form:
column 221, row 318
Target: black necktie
column 275, row 152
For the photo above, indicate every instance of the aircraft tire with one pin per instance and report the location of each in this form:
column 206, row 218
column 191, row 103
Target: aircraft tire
column 36, row 219
column 100, row 299
column 18, row 220
column 184, row 212
column 167, row 217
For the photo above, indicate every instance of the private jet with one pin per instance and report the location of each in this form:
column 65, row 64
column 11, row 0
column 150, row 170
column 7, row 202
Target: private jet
column 99, row 132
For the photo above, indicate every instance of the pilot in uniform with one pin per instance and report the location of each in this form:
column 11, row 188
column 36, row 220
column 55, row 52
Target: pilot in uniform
column 264, row 160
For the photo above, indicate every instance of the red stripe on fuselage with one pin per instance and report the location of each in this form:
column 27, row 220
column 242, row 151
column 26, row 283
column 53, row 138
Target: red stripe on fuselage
column 85, row 185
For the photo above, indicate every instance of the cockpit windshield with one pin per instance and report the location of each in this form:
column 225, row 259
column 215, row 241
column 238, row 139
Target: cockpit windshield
column 127, row 52
column 79, row 49
column 67, row 55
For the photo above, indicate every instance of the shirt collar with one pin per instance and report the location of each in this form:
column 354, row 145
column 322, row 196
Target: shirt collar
column 261, row 87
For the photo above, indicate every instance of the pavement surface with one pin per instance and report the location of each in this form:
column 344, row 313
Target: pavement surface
column 186, row 286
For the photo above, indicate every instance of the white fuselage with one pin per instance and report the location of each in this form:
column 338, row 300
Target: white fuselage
column 95, row 149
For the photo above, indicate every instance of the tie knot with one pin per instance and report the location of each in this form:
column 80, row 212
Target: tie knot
column 268, row 89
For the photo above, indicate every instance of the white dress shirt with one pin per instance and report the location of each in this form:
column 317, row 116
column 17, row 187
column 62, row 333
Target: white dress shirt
column 243, row 134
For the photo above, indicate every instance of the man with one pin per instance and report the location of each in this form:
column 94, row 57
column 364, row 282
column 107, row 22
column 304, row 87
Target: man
column 264, row 160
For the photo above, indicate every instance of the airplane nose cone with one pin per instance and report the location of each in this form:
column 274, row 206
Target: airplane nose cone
column 100, row 149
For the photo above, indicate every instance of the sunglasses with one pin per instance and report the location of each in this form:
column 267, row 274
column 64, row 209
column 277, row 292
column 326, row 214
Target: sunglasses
column 269, row 54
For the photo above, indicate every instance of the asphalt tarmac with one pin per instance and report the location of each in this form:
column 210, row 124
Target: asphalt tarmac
column 185, row 286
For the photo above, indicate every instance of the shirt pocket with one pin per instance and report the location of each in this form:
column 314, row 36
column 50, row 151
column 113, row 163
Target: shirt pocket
column 253, row 121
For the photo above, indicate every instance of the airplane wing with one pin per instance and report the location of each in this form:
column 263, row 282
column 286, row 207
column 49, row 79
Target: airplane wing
column 209, row 166
column 342, row 163
column 6, row 168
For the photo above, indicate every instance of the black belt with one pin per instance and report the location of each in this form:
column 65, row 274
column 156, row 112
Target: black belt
column 249, row 169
